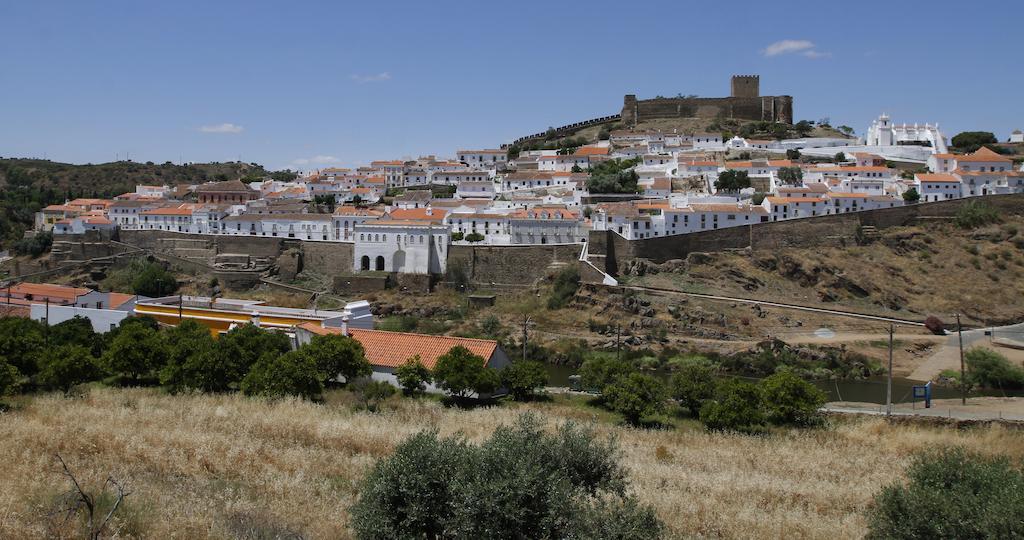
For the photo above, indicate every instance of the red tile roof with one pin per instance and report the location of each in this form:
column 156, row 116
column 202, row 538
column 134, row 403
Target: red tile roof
column 392, row 349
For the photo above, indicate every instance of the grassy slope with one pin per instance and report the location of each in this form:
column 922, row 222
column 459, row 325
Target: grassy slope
column 219, row 465
column 911, row 271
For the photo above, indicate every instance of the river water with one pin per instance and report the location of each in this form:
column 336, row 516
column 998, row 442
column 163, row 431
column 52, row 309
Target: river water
column 867, row 391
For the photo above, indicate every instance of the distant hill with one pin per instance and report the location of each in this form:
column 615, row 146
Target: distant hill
column 109, row 179
column 26, row 185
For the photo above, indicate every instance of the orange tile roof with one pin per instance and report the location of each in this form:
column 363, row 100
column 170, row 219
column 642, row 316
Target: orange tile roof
column 356, row 211
column 723, row 207
column 174, row 211
column 392, row 349
column 787, row 200
column 418, row 214
column 983, row 154
column 842, row 195
column 592, row 151
column 48, row 290
column 936, row 177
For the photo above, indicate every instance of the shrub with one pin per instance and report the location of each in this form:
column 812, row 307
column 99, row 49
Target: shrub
column 191, row 362
column 34, row 246
column 21, row 342
column 567, row 282
column 989, row 369
column 524, row 379
column 788, row 399
column 456, row 236
column 951, row 494
column 9, row 377
column 636, row 396
column 279, row 375
column 792, row 176
column 474, row 237
column 136, row 352
column 600, row 371
column 413, row 376
column 692, row 385
column 154, row 280
column 371, row 393
column 974, row 214
column 911, row 196
column 67, row 366
column 462, row 373
column 336, row 356
column 522, row 482
column 736, row 406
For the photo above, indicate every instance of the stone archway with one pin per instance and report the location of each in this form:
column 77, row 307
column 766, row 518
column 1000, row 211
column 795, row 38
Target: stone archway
column 380, row 263
column 364, row 263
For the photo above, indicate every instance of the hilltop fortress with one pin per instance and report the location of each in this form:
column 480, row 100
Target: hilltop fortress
column 744, row 103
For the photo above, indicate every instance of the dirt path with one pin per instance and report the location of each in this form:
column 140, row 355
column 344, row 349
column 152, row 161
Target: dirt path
column 977, row 408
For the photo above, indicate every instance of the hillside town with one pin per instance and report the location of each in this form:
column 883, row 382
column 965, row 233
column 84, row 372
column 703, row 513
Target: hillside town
column 681, row 183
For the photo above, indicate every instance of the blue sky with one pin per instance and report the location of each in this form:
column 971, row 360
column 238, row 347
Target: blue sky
column 311, row 84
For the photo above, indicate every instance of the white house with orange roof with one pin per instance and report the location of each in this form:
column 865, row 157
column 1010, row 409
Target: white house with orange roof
column 482, row 159
column 658, row 188
column 493, row 226
column 346, row 218
column 83, row 224
column 470, row 189
column 392, row 172
column 985, row 172
column 545, row 225
column 938, row 186
column 168, row 218
column 782, row 208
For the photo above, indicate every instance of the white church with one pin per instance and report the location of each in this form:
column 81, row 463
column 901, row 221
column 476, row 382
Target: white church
column 883, row 132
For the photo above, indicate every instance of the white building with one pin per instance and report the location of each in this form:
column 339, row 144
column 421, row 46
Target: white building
column 406, row 246
column 482, row 159
column 937, row 187
column 883, row 132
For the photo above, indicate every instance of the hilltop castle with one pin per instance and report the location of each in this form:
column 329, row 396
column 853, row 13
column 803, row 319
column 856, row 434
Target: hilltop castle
column 744, row 103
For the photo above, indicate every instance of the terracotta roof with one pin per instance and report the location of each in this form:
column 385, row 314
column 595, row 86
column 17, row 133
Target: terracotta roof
column 392, row 349
column 592, row 151
column 49, row 290
column 937, row 177
column 787, row 200
column 172, row 211
column 722, row 207
column 418, row 214
column 842, row 195
column 356, row 211
column 984, row 154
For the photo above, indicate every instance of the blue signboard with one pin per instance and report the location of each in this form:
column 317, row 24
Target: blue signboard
column 925, row 393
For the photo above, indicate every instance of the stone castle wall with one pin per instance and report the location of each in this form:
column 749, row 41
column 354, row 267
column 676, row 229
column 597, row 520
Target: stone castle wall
column 510, row 265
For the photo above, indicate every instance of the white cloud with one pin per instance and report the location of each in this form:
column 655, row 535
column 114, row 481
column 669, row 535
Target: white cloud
column 222, row 128
column 315, row 160
column 794, row 46
column 378, row 77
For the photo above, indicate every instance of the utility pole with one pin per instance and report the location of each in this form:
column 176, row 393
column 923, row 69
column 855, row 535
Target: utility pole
column 888, row 382
column 963, row 379
column 526, row 322
column 618, row 342
column 179, row 308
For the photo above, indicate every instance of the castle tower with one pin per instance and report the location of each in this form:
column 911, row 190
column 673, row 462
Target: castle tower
column 629, row 110
column 746, row 86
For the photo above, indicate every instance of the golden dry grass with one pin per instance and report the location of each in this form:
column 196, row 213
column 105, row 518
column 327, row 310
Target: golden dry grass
column 211, row 466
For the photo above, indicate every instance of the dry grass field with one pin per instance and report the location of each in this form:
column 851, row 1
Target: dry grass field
column 225, row 466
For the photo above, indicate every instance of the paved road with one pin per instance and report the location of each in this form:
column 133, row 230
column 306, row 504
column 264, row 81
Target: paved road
column 948, row 356
column 879, row 410
column 798, row 307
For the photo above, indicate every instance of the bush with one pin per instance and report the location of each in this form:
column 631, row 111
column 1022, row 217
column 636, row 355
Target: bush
column 462, row 373
column 567, row 282
column 154, row 281
column 9, row 377
column 136, row 353
column 524, row 379
column 790, row 400
column 692, row 385
column 336, row 356
column 792, row 176
column 736, row 406
column 911, row 196
column 456, row 236
column 21, row 342
column 636, row 396
column 600, row 371
column 67, row 366
column 413, row 376
column 732, row 181
column 474, row 237
column 974, row 214
column 989, row 369
column 371, row 393
column 35, row 245
column 279, row 375
column 951, row 494
column 520, row 483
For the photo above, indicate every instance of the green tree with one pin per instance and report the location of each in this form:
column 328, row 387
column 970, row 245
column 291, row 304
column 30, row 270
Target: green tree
column 566, row 283
column 522, row 482
column 372, row 393
column 413, row 376
column 971, row 141
column 192, row 361
column 474, row 237
column 989, row 369
column 462, row 373
column 792, row 154
column 911, row 196
column 337, row 356
column 635, row 396
column 735, row 407
column 614, row 176
column 599, row 371
column 792, row 176
column 732, row 181
column 21, row 343
column 136, row 353
column 280, row 375
column 524, row 379
column 246, row 344
column 154, row 281
column 804, row 128
column 692, row 385
column 950, row 493
column 790, row 400
column 67, row 366
column 76, row 331
column 9, row 377
column 839, row 157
